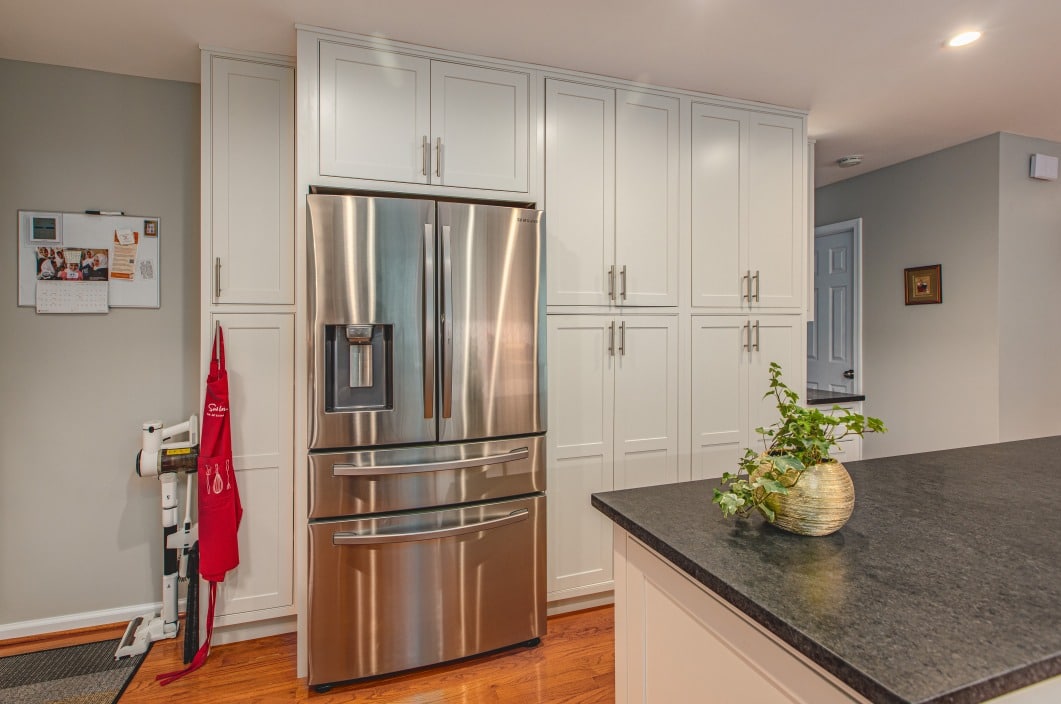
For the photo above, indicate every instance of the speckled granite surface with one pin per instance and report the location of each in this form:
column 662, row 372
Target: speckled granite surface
column 945, row 585
column 818, row 397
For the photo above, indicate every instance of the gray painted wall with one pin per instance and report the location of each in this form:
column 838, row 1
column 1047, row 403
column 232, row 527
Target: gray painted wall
column 930, row 371
column 78, row 530
column 1030, row 274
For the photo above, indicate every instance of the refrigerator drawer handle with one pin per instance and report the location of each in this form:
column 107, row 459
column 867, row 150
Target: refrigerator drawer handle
column 349, row 470
column 376, row 539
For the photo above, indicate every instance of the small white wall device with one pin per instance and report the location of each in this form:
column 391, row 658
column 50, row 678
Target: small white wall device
column 1043, row 167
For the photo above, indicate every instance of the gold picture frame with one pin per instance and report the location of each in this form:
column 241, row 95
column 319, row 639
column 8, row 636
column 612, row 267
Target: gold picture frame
column 923, row 284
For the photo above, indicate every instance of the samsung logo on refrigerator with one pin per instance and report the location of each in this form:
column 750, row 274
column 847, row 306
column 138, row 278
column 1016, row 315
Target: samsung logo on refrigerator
column 531, row 220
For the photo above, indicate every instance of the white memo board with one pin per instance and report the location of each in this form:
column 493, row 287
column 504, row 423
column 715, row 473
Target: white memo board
column 80, row 230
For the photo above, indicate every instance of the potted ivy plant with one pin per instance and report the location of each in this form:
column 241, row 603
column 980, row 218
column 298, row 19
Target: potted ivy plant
column 794, row 482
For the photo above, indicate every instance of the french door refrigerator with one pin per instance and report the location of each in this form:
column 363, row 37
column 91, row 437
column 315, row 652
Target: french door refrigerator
column 426, row 432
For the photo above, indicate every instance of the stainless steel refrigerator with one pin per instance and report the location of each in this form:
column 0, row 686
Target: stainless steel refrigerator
column 426, row 432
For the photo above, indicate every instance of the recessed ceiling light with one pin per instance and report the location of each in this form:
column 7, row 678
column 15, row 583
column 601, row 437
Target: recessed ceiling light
column 963, row 38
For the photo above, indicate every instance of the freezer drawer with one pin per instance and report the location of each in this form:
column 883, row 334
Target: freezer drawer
column 399, row 479
column 392, row 593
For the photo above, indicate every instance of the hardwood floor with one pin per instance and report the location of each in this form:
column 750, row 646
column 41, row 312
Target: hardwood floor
column 573, row 665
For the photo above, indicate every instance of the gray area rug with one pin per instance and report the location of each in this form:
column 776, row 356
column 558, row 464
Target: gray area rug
column 79, row 674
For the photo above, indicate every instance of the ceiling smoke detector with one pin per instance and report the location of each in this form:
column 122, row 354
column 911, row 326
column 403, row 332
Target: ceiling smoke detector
column 845, row 162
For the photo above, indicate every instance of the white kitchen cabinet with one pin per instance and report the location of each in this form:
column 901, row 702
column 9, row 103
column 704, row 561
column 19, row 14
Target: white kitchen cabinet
column 247, row 279
column 259, row 350
column 248, row 174
column 392, row 116
column 613, row 421
column 749, row 224
column 730, row 374
column 612, row 194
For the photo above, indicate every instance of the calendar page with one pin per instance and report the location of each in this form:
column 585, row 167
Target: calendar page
column 72, row 297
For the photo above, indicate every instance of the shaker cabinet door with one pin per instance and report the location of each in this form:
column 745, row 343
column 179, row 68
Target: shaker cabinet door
column 646, row 198
column 251, row 135
column 479, row 127
column 719, row 393
column 776, row 213
column 580, row 192
column 581, row 405
column 375, row 114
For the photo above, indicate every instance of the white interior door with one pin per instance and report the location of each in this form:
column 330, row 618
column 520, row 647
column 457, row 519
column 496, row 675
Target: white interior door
column 832, row 337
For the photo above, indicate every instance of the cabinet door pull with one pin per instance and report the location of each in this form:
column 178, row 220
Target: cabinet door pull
column 217, row 277
column 747, row 336
column 611, row 339
column 756, row 287
column 746, row 284
column 611, row 282
column 622, row 277
column 756, row 327
column 622, row 339
column 423, row 156
column 438, row 157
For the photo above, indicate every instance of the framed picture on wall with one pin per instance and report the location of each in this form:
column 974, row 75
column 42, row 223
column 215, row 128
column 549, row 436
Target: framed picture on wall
column 923, row 284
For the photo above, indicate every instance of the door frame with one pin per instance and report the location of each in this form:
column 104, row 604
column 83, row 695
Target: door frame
column 855, row 225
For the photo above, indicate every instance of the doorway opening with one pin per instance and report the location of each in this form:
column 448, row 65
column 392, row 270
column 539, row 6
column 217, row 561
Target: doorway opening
column 834, row 337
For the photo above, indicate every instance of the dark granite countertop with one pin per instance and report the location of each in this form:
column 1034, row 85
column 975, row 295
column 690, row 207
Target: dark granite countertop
column 817, row 397
column 945, row 585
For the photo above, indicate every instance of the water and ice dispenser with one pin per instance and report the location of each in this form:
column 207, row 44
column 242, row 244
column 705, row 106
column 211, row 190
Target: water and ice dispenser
column 359, row 367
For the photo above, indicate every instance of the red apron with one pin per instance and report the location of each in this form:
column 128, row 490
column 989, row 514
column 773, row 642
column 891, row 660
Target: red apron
column 220, row 509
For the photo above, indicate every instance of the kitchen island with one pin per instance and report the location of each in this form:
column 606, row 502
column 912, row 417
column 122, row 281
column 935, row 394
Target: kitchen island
column 945, row 586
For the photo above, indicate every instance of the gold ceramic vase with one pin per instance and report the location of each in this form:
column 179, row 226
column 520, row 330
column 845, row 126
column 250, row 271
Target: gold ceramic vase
column 818, row 503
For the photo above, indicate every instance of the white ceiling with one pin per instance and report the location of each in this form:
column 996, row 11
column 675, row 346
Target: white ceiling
column 872, row 73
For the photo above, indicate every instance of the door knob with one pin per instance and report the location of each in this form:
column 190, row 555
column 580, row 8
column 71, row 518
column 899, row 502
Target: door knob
column 849, row 374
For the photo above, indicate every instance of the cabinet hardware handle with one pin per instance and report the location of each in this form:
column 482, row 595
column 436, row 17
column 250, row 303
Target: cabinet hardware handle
column 611, row 282
column 622, row 339
column 438, row 157
column 427, row 312
column 351, row 538
column 622, row 276
column 611, row 339
column 756, row 327
column 756, row 286
column 423, row 155
column 747, row 336
column 746, row 284
column 217, row 277
column 377, row 470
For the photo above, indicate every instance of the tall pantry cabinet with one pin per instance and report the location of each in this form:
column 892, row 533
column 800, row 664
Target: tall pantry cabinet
column 247, row 275
column 612, row 222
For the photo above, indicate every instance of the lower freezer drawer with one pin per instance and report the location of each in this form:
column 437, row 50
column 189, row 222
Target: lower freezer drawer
column 390, row 593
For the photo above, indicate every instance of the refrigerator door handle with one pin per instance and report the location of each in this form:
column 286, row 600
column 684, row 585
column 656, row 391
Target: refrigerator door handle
column 447, row 325
column 428, row 322
column 349, row 470
column 449, row 531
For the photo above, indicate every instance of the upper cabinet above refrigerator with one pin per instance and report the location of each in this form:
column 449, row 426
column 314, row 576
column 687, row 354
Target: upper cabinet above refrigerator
column 390, row 116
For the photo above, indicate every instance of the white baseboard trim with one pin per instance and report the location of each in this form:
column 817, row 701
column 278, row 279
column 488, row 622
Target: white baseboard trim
column 85, row 619
column 578, row 603
column 249, row 631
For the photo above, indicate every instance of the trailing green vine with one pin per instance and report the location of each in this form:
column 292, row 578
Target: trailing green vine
column 801, row 438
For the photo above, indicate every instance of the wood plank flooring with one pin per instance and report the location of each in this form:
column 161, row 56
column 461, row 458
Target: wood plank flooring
column 574, row 664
